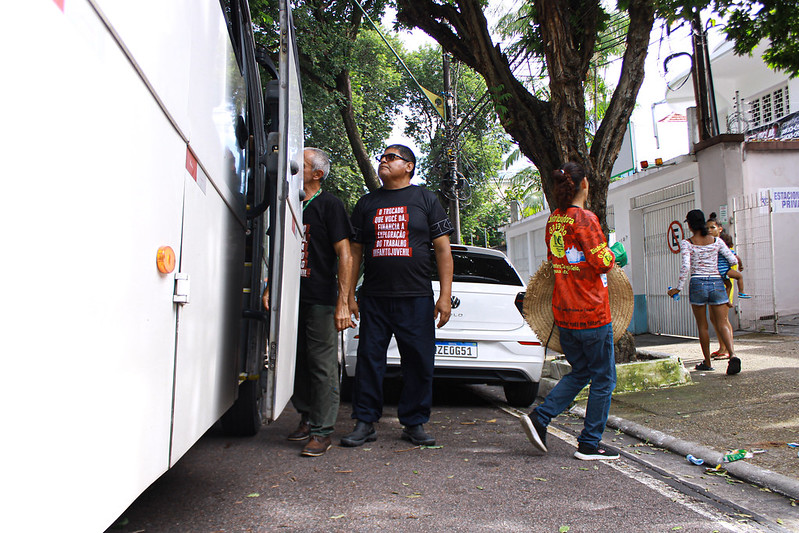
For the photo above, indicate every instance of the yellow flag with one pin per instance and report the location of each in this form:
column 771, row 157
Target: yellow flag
column 437, row 101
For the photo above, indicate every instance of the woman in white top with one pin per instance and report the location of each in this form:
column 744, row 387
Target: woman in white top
column 700, row 259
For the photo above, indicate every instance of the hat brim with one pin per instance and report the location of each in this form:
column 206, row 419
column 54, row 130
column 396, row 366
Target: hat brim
column 538, row 304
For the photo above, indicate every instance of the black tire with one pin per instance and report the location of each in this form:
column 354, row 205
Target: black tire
column 243, row 419
column 520, row 394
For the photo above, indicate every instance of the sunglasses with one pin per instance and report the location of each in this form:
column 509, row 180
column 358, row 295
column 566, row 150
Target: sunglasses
column 390, row 158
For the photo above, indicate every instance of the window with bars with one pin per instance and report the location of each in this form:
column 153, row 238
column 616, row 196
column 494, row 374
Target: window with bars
column 610, row 217
column 770, row 106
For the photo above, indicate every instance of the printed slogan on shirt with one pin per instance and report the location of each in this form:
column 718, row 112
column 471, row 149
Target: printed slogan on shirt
column 391, row 232
column 305, row 269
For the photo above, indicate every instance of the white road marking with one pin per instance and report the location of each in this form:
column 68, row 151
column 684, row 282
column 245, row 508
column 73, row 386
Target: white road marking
column 628, row 469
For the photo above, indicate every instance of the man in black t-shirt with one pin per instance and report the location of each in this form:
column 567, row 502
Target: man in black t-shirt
column 323, row 309
column 394, row 228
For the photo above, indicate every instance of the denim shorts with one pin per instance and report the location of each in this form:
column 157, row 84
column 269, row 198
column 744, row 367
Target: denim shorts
column 709, row 291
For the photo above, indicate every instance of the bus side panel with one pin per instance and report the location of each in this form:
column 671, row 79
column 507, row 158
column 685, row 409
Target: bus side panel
column 191, row 67
column 94, row 179
column 208, row 326
column 163, row 50
column 206, row 377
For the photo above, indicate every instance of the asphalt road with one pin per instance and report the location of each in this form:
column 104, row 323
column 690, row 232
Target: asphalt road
column 482, row 476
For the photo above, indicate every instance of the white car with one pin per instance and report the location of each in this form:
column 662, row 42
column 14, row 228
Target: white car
column 486, row 339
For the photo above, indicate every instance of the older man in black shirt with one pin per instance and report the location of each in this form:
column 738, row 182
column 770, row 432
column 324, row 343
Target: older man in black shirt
column 323, row 306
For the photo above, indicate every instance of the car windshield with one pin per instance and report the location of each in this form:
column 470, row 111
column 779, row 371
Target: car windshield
column 475, row 267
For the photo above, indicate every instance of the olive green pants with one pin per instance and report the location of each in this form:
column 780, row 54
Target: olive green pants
column 316, row 384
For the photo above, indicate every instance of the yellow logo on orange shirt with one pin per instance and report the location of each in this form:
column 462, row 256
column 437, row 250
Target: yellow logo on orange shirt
column 556, row 244
column 607, row 256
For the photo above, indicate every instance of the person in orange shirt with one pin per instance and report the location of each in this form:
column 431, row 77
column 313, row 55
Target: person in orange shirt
column 580, row 258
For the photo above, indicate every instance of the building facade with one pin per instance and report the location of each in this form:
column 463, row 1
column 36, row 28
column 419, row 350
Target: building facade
column 748, row 176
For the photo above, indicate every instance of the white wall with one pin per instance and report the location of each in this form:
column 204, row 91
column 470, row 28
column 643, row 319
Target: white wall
column 776, row 164
column 719, row 172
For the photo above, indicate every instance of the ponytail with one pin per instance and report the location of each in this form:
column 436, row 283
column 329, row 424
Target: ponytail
column 567, row 184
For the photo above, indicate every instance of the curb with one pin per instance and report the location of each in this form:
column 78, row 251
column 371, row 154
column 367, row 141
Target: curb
column 782, row 484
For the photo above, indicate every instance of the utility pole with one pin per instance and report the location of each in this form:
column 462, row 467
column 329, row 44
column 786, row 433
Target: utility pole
column 451, row 179
column 707, row 115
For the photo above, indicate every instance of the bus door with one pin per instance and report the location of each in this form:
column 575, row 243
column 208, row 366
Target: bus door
column 284, row 284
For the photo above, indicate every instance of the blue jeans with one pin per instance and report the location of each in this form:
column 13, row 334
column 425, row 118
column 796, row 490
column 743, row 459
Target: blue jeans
column 704, row 291
column 590, row 354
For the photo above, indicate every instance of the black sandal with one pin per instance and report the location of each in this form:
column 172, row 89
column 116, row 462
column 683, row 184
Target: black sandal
column 703, row 366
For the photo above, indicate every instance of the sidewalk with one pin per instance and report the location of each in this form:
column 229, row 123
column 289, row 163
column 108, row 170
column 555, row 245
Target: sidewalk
column 757, row 409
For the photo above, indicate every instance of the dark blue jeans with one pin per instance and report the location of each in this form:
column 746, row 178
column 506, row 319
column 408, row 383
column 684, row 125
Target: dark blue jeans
column 590, row 354
column 410, row 320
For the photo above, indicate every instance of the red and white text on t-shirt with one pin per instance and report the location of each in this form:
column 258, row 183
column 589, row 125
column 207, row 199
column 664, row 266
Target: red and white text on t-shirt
column 305, row 268
column 391, row 232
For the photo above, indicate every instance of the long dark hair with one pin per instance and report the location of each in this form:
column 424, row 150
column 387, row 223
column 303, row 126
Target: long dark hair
column 696, row 221
column 567, row 183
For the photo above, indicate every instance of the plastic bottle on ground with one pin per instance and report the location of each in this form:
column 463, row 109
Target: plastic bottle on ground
column 695, row 460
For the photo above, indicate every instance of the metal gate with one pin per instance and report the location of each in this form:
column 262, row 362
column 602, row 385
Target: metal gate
column 754, row 243
column 663, row 231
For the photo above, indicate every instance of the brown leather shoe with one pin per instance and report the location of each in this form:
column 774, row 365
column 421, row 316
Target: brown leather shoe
column 317, row 446
column 302, row 432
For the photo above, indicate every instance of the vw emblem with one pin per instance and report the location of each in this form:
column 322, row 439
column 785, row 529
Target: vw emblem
column 455, row 302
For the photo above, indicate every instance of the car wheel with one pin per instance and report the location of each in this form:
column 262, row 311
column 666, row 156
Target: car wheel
column 520, row 394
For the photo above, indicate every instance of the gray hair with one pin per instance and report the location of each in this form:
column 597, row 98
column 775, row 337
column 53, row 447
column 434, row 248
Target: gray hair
column 319, row 161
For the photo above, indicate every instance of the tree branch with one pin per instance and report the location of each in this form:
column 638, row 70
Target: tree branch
column 609, row 136
column 344, row 86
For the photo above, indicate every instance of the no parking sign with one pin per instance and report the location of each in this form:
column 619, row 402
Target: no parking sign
column 674, row 235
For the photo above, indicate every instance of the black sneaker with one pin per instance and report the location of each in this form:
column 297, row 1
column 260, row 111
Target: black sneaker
column 363, row 432
column 536, row 433
column 595, row 453
column 734, row 366
column 417, row 435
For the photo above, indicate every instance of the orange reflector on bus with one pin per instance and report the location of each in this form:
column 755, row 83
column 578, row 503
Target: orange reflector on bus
column 165, row 259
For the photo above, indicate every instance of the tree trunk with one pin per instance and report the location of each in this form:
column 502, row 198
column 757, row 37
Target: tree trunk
column 344, row 86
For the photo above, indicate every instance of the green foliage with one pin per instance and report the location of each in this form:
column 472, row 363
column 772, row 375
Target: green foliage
column 481, row 142
column 524, row 189
column 334, row 44
column 776, row 20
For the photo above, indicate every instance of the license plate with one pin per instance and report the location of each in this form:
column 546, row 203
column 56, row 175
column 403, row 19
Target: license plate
column 456, row 349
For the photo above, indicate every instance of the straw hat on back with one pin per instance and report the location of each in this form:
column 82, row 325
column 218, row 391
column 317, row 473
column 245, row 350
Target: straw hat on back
column 538, row 304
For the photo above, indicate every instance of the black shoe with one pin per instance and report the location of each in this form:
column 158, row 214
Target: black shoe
column 363, row 432
column 595, row 453
column 536, row 433
column 734, row 366
column 417, row 435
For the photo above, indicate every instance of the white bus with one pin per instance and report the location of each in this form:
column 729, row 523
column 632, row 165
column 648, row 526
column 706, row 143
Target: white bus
column 149, row 187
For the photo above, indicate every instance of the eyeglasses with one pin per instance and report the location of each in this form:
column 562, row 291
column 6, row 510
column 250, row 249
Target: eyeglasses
column 390, row 158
